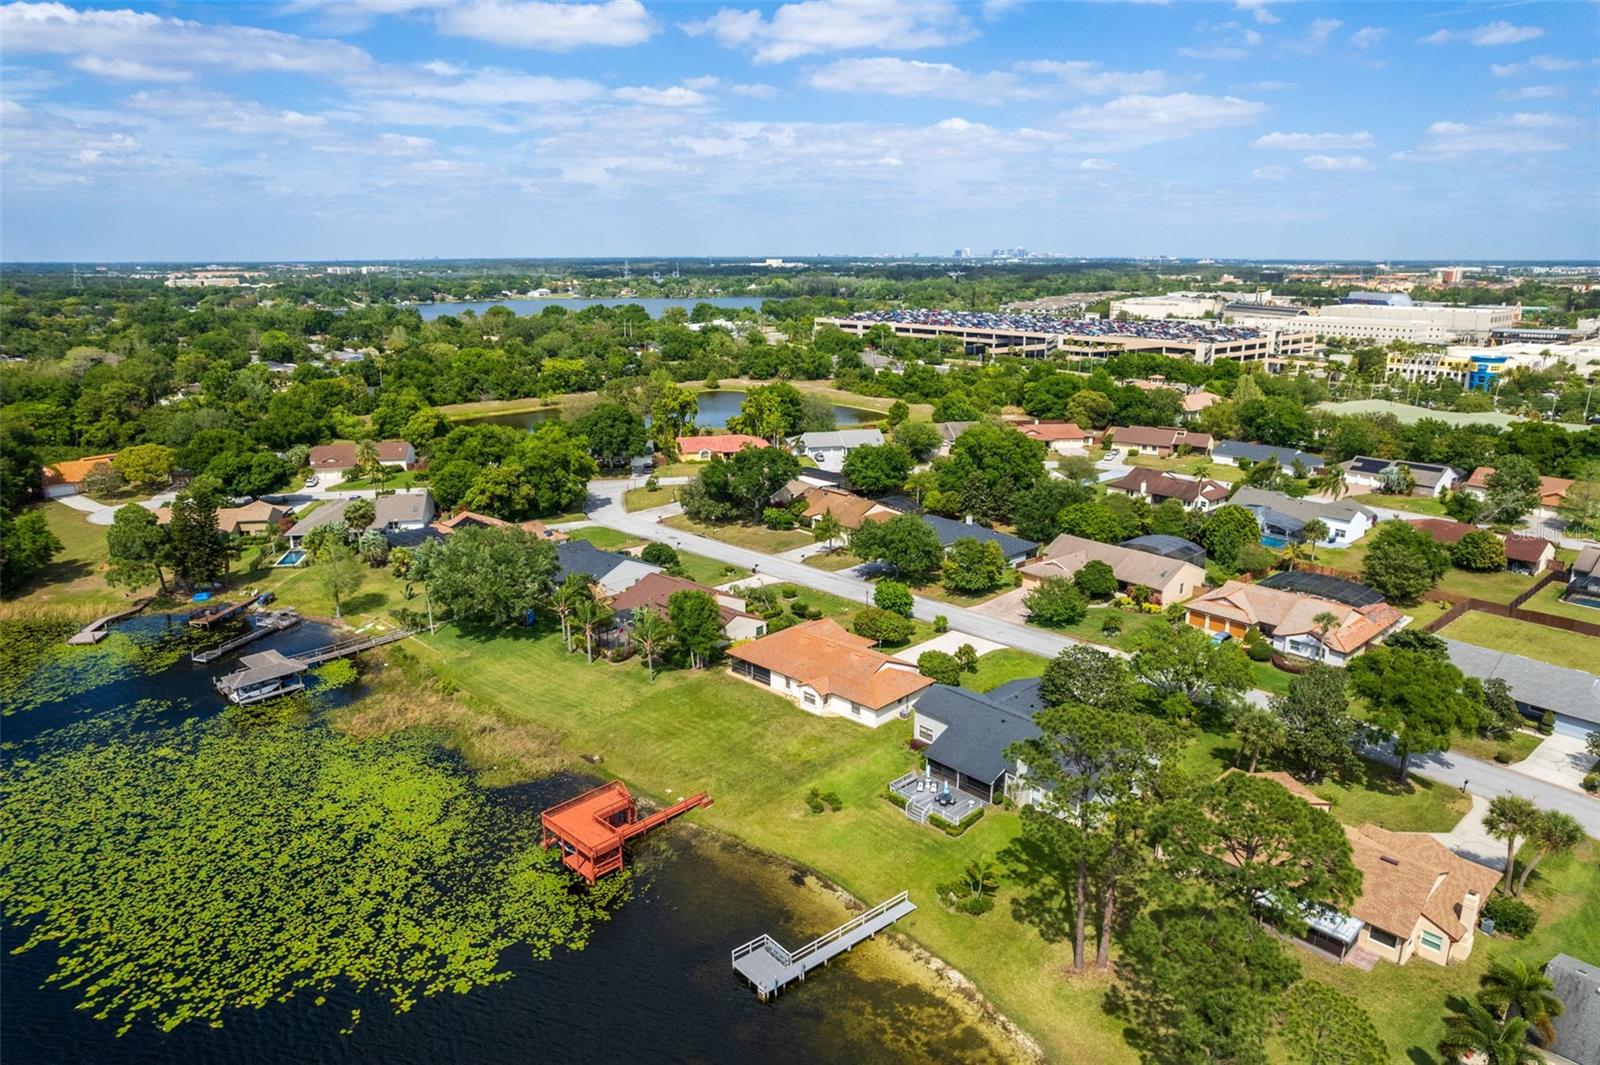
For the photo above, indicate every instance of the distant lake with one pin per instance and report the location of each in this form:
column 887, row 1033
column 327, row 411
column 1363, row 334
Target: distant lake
column 715, row 410
column 654, row 307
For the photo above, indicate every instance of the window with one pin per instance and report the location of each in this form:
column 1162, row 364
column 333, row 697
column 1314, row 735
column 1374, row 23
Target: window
column 1432, row 940
column 811, row 700
column 925, row 732
column 1378, row 935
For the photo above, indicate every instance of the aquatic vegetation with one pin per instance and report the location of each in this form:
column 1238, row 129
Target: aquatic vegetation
column 339, row 673
column 179, row 873
column 38, row 668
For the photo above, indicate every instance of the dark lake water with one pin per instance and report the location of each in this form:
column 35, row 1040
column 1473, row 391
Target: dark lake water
column 715, row 410
column 654, row 985
column 654, row 307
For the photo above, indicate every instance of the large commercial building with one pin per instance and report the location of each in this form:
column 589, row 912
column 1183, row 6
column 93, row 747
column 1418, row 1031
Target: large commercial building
column 1172, row 305
column 1084, row 338
column 1471, row 366
column 1389, row 316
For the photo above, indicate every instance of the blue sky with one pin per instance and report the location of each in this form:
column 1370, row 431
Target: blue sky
column 317, row 129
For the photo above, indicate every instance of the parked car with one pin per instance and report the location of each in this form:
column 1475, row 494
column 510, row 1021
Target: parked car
column 313, row 481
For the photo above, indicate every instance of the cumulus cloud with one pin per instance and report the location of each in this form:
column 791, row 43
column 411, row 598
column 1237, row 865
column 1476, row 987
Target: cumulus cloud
column 128, row 70
column 815, row 26
column 1488, row 35
column 675, row 96
column 1257, row 8
column 756, row 90
column 1519, row 134
column 1301, row 142
column 908, row 77
column 222, row 113
column 1091, row 77
column 554, row 27
column 1548, row 64
column 1315, row 39
column 1335, row 162
column 145, row 39
column 1137, row 120
column 1368, row 37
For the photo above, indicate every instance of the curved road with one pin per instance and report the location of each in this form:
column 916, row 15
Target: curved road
column 1447, row 767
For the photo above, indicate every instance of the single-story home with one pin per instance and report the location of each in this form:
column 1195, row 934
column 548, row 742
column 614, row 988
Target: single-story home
column 1365, row 473
column 1528, row 554
column 611, row 573
column 1168, row 546
column 719, row 445
column 66, row 478
column 1160, row 442
column 1064, row 438
column 1444, row 531
column 1552, row 490
column 830, row 672
column 470, row 519
column 331, row 461
column 1172, row 580
column 396, row 515
column 656, row 589
column 1577, row 1026
column 964, row 735
column 948, row 431
column 1418, row 898
column 1289, row 620
column 1583, row 579
column 828, row 449
column 848, row 509
column 1015, row 549
column 1284, row 518
column 1536, row 686
column 1158, row 486
column 257, row 516
column 1240, row 452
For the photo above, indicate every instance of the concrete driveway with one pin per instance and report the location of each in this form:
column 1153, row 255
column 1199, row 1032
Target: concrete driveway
column 949, row 643
column 1561, row 760
column 1472, row 841
column 1006, row 607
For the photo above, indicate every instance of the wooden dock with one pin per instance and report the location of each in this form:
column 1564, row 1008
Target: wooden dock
column 269, row 674
column 769, row 967
column 210, row 615
column 100, row 628
column 266, row 625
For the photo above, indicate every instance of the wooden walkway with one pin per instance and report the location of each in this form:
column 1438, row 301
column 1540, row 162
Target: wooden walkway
column 266, row 625
column 99, row 628
column 265, row 675
column 770, row 968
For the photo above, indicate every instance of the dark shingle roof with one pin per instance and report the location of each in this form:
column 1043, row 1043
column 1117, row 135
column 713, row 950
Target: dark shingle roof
column 979, row 728
column 949, row 531
column 580, row 556
column 1537, row 684
column 1578, row 1026
column 1283, row 456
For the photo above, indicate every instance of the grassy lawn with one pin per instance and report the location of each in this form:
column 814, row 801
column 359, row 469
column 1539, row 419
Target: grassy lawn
column 1270, row 678
column 397, row 479
column 74, row 577
column 606, row 539
column 1499, row 587
column 1415, row 504
column 1549, row 601
column 1090, row 627
column 298, row 587
column 1556, row 646
column 1518, row 745
column 680, row 469
column 645, row 498
column 755, row 537
column 698, row 568
column 1415, row 806
column 833, row 561
column 938, row 591
column 1190, row 466
column 758, row 755
column 999, row 667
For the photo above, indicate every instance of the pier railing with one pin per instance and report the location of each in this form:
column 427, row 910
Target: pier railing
column 766, row 943
column 848, row 927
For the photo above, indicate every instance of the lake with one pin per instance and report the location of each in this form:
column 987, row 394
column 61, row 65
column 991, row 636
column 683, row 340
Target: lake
column 653, row 985
column 655, row 306
column 715, row 410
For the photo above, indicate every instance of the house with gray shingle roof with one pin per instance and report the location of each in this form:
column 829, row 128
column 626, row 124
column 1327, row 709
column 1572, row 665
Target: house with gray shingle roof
column 1015, row 549
column 1536, row 686
column 967, row 734
column 1285, row 517
column 1240, row 452
column 1578, row 1025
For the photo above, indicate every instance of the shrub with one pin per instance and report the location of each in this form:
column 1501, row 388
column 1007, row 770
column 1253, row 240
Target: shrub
column 1096, row 580
column 1547, row 723
column 1591, row 783
column 1055, row 601
column 788, row 591
column 779, row 622
column 894, row 596
column 1112, row 625
column 882, row 626
column 1511, row 917
column 622, row 652
column 777, row 518
column 1259, row 652
column 967, row 658
column 896, row 798
column 814, row 801
column 658, row 554
column 651, row 483
column 1503, row 757
column 976, row 905
column 941, row 624
column 957, row 829
column 1479, row 552
column 940, row 666
column 832, row 799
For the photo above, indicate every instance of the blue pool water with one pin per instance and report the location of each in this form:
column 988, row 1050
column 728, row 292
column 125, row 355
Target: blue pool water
column 291, row 558
column 1277, row 542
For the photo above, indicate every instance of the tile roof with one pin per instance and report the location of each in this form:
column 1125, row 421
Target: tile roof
column 1195, row 402
column 1158, row 484
column 1067, row 554
column 656, row 589
column 977, row 730
column 849, row 509
column 1409, row 875
column 1148, row 436
column 949, row 531
column 1050, row 432
column 824, row 656
column 1540, row 685
column 1292, row 614
column 343, row 456
column 73, row 471
column 1552, row 490
column 719, row 443
column 1527, row 548
column 471, row 519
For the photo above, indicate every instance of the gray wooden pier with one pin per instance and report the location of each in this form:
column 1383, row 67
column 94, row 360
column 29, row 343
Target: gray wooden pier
column 266, row 625
column 100, row 628
column 769, row 967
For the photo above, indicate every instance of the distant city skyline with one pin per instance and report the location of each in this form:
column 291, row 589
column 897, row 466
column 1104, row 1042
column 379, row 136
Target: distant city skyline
column 320, row 130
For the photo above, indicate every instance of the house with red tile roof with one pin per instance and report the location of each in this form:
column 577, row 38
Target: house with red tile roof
column 470, row 519
column 1552, row 490
column 332, row 462
column 830, row 672
column 66, row 478
column 1064, row 438
column 719, row 445
column 1158, row 486
column 1159, row 441
column 1290, row 620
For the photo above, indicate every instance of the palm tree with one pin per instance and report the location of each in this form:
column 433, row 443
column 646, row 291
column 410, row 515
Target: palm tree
column 573, row 590
column 1555, row 833
column 1511, row 818
column 1324, row 621
column 1333, row 481
column 367, row 457
column 1315, row 531
column 1512, row 989
column 651, row 634
column 827, row 529
column 590, row 615
column 982, row 876
column 1471, row 1030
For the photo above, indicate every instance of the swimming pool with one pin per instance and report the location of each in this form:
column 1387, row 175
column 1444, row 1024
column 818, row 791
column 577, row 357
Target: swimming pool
column 291, row 558
column 1277, row 542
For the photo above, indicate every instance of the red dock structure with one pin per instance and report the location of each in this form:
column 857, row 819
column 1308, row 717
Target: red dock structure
column 592, row 828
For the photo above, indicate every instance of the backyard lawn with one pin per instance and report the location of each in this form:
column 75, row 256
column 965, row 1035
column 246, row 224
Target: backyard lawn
column 1499, row 587
column 1414, row 504
column 1190, row 466
column 74, row 578
column 1556, row 646
column 1549, row 601
column 1415, row 806
column 755, row 537
column 999, row 667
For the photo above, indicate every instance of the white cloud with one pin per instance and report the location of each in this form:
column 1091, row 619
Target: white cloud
column 814, row 26
column 489, row 86
column 153, row 40
column 1270, row 173
column 1315, row 39
column 1520, row 134
column 909, row 77
column 1336, row 162
column 1221, row 51
column 1548, row 64
column 1493, row 33
column 755, row 90
column 555, row 27
column 1097, row 164
column 1532, row 92
column 993, row 9
column 1301, row 142
column 1138, row 120
column 127, row 70
column 215, row 111
column 676, row 96
column 1090, row 77
column 1368, row 36
column 704, row 83
column 1257, row 8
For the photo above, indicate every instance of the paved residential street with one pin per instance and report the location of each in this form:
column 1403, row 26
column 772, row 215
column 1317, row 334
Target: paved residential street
column 1487, row 778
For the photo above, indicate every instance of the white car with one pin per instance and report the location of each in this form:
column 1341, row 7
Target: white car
column 312, row 481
